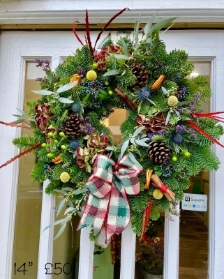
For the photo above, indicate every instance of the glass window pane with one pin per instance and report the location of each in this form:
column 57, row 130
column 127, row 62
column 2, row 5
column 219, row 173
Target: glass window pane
column 194, row 225
column 150, row 251
column 29, row 198
column 65, row 250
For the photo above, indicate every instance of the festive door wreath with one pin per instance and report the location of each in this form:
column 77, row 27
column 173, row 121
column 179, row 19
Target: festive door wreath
column 166, row 138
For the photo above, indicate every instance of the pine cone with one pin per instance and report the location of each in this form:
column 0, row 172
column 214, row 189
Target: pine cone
column 158, row 152
column 72, row 126
column 141, row 75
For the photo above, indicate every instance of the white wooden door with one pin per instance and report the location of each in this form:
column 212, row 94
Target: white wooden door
column 17, row 48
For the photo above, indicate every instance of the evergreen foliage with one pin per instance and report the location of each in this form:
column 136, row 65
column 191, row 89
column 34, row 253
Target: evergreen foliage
column 163, row 103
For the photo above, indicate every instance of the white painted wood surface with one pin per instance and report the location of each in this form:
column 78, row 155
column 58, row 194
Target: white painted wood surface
column 67, row 11
column 46, row 237
column 16, row 47
column 86, row 255
column 171, row 247
column 128, row 241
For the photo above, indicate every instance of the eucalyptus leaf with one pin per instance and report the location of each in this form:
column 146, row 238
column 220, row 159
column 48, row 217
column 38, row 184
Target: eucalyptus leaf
column 65, row 100
column 66, row 87
column 67, row 189
column 148, row 41
column 136, row 31
column 141, row 143
column 60, row 206
column 60, row 191
column 158, row 26
column 178, row 114
column 109, row 148
column 19, row 116
column 123, row 73
column 68, row 210
column 61, row 221
column 60, row 231
column 139, row 130
column 22, row 112
column 104, row 40
column 165, row 91
column 79, row 191
column 112, row 73
column 42, row 92
column 70, row 203
column 176, row 148
column 148, row 25
column 124, row 147
column 17, row 121
column 121, row 56
column 168, row 117
column 132, row 141
column 125, row 47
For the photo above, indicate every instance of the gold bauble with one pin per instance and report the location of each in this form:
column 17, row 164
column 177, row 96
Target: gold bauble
column 172, row 101
column 157, row 194
column 91, row 75
column 64, row 177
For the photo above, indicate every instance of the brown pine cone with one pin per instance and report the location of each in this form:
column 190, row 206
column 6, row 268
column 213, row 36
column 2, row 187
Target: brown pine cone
column 141, row 75
column 72, row 126
column 158, row 152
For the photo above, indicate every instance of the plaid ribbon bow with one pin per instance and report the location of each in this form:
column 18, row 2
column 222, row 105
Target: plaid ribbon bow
column 107, row 202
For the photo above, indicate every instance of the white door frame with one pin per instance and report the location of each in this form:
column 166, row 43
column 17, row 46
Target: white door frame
column 18, row 47
column 67, row 11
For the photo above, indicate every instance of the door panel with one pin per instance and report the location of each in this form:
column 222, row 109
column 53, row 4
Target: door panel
column 19, row 47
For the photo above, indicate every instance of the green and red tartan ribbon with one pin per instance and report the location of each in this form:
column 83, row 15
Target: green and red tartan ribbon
column 107, row 202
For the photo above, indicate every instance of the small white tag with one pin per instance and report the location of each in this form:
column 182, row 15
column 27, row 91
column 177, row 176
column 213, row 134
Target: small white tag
column 194, row 202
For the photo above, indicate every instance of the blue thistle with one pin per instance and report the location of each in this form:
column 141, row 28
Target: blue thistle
column 77, row 107
column 177, row 137
column 74, row 144
column 144, row 93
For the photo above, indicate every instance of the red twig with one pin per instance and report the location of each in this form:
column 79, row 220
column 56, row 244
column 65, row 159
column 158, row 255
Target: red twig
column 14, row 125
column 75, row 33
column 108, row 23
column 212, row 115
column 87, row 35
column 195, row 126
column 21, row 154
